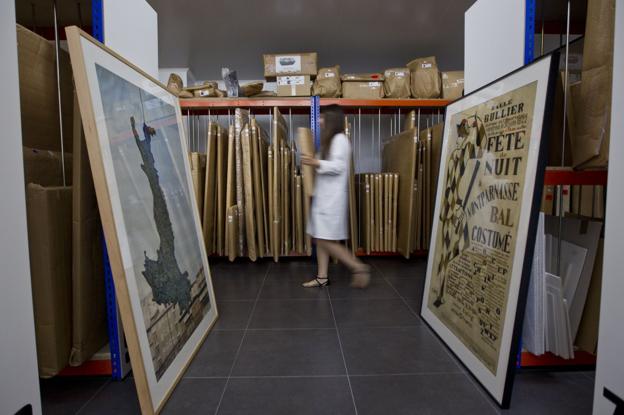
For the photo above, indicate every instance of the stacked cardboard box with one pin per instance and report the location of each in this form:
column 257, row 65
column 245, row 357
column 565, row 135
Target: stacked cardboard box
column 64, row 231
column 363, row 86
column 293, row 72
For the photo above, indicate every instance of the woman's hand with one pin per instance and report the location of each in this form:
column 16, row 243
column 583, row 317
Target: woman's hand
column 310, row 161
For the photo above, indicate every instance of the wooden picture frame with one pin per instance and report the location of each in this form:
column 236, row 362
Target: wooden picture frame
column 148, row 210
column 485, row 219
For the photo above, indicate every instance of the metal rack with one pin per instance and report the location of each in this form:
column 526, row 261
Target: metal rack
column 382, row 114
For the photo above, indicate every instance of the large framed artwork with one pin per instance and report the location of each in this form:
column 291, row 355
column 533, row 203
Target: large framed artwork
column 138, row 156
column 491, row 177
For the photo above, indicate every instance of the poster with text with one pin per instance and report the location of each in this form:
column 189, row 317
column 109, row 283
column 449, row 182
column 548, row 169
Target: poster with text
column 477, row 228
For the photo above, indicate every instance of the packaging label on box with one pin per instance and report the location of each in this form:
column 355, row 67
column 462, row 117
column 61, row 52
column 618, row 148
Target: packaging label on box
column 329, row 74
column 291, row 80
column 288, row 64
column 374, row 84
column 425, row 65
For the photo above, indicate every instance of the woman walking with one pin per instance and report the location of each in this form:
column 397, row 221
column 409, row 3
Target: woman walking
column 328, row 222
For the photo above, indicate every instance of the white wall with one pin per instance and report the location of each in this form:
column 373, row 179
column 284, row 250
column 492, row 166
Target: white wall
column 493, row 40
column 131, row 29
column 19, row 382
column 610, row 366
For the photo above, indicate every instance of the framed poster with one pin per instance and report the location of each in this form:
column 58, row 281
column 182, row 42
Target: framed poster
column 491, row 175
column 138, row 156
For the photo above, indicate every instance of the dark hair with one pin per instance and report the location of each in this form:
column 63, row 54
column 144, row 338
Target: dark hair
column 334, row 124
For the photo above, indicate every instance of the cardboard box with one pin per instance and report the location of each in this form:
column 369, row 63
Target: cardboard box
column 289, row 64
column 363, row 90
column 397, row 83
column 44, row 167
column 294, row 86
column 50, row 245
column 452, row 85
column 38, row 92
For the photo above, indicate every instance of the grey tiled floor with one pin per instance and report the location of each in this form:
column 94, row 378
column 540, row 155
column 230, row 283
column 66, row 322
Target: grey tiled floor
column 281, row 349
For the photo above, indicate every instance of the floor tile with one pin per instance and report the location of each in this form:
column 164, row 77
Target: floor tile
column 373, row 351
column 551, row 393
column 409, row 288
column 290, row 353
column 401, row 267
column 304, row 270
column 195, row 396
column 418, row 394
column 292, row 314
column 233, row 315
column 216, row 355
column 373, row 313
column 241, row 265
column 65, row 395
column 276, row 396
column 115, row 398
column 237, row 285
column 290, row 288
column 340, row 288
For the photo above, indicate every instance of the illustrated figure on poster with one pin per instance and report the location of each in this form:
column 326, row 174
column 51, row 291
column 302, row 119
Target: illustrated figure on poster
column 455, row 236
column 169, row 284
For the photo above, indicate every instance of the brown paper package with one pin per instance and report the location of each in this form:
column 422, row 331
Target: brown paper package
column 327, row 83
column 397, row 83
column 425, row 78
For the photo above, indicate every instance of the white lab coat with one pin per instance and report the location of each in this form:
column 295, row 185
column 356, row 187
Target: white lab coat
column 328, row 214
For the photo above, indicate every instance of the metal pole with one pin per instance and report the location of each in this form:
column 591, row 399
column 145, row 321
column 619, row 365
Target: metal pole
column 542, row 32
column 418, row 123
column 565, row 109
column 79, row 15
column 379, row 136
column 399, row 117
column 58, row 90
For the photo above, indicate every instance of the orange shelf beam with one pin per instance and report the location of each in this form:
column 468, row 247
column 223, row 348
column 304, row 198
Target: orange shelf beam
column 89, row 368
column 568, row 177
column 550, row 360
column 221, row 103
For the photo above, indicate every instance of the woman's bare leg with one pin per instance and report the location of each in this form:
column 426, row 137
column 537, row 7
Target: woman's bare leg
column 360, row 271
column 322, row 261
column 341, row 253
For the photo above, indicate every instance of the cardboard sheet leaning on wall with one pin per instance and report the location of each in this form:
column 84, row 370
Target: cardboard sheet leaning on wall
column 89, row 325
column 38, row 92
column 590, row 143
column 50, row 245
column 399, row 155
